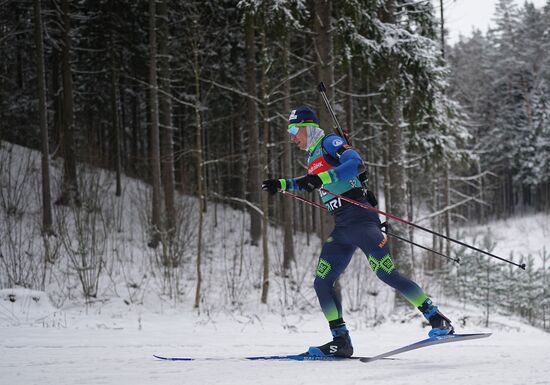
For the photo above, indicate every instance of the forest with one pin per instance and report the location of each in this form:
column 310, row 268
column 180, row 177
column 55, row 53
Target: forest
column 192, row 98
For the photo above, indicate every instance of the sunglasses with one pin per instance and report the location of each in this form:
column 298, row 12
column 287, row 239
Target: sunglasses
column 295, row 127
column 293, row 130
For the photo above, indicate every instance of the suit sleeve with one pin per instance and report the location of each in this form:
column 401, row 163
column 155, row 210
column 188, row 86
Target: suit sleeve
column 290, row 184
column 350, row 160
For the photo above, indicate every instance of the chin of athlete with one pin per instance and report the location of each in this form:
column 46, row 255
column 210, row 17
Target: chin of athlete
column 298, row 142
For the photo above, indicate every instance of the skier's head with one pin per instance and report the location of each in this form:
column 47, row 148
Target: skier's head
column 303, row 127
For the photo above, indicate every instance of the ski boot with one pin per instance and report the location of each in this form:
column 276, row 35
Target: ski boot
column 340, row 346
column 441, row 325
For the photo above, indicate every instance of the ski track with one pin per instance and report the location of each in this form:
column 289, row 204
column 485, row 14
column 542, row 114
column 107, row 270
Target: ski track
column 119, row 353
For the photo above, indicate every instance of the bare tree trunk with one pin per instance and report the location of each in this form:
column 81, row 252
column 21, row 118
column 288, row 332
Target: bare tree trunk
column 166, row 123
column 57, row 129
column 447, row 188
column 396, row 149
column 185, row 174
column 482, row 210
column 372, row 156
column 434, row 265
column 155, row 147
column 349, row 99
column 200, row 175
column 253, row 135
column 136, row 127
column 19, row 48
column 441, row 7
column 325, row 65
column 397, row 180
column 308, row 223
column 69, row 190
column 265, row 202
column 387, row 160
column 447, row 218
column 47, row 217
column 123, row 122
column 115, row 120
column 288, row 204
column 325, row 73
column 410, row 211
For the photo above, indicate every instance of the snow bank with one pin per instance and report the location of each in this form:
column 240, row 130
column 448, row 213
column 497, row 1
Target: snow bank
column 19, row 307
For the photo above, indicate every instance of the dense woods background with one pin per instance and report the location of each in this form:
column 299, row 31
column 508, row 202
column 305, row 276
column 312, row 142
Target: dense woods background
column 192, row 97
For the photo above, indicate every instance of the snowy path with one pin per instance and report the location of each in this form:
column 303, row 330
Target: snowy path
column 103, row 351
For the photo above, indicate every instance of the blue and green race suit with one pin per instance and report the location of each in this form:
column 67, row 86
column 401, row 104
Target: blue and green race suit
column 338, row 166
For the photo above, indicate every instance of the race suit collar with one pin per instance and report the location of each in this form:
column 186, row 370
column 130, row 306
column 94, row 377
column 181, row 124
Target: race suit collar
column 313, row 136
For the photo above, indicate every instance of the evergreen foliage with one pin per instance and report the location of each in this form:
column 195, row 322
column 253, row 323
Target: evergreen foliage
column 501, row 80
column 498, row 288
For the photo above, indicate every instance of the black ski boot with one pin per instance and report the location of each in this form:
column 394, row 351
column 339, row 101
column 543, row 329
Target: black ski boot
column 441, row 325
column 340, row 346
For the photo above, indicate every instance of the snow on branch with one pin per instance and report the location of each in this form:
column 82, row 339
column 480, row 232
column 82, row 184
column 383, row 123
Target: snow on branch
column 473, row 177
column 228, row 88
column 183, row 102
column 445, row 209
column 240, row 200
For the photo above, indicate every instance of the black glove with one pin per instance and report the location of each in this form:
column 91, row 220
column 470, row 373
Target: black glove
column 309, row 182
column 271, row 186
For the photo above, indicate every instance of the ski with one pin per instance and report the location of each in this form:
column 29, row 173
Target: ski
column 427, row 342
column 290, row 357
column 305, row 357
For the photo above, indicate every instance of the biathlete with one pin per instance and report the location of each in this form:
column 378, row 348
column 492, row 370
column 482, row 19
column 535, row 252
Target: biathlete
column 336, row 166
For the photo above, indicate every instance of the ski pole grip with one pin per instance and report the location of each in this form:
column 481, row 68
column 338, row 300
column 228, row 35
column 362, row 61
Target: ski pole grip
column 322, row 87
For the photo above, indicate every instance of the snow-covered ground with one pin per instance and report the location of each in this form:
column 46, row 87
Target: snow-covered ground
column 51, row 337
column 114, row 344
column 522, row 235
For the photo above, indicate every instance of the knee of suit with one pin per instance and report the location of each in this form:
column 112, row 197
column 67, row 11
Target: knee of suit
column 387, row 278
column 397, row 281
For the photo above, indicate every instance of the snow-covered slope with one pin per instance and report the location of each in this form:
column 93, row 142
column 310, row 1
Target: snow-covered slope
column 522, row 235
column 113, row 343
column 53, row 337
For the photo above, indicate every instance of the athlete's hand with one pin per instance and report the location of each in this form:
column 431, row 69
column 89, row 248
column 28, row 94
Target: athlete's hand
column 271, row 186
column 309, row 182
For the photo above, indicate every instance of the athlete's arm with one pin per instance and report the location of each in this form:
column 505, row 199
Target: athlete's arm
column 350, row 160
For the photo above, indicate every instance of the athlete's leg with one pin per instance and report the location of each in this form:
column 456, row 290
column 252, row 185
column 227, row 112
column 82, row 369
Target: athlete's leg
column 335, row 257
column 375, row 247
column 333, row 260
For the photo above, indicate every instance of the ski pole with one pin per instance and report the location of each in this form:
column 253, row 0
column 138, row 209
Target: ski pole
column 387, row 231
column 297, row 197
column 311, row 203
column 521, row 266
column 339, row 131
